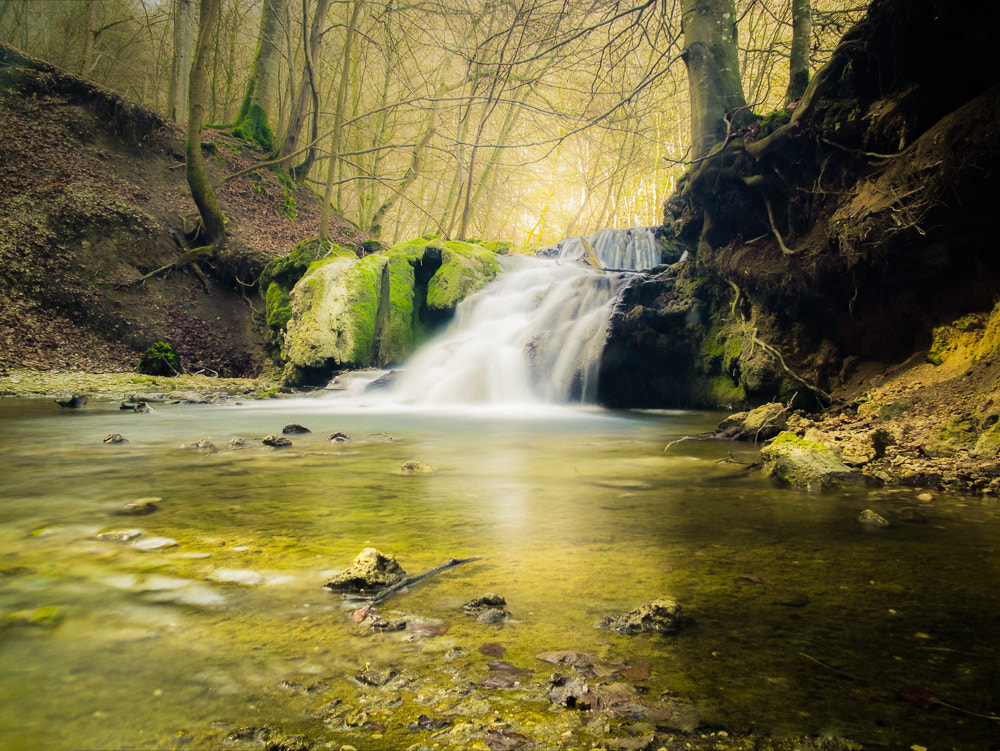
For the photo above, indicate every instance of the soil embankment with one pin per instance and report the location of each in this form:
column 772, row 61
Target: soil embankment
column 94, row 199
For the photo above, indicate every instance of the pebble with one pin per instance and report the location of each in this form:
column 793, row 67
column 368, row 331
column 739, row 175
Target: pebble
column 115, row 438
column 293, row 427
column 414, row 468
column 154, row 543
column 119, row 535
column 925, row 497
column 275, row 441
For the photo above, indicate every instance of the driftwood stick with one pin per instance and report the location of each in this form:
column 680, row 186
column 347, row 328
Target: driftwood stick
column 407, row 581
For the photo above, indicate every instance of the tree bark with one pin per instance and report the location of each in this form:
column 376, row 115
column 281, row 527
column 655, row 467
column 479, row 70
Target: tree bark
column 213, row 224
column 798, row 71
column 89, row 38
column 308, row 90
column 185, row 27
column 718, row 105
column 252, row 120
column 338, row 122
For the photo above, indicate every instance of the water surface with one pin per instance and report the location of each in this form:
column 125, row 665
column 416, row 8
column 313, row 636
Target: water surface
column 804, row 622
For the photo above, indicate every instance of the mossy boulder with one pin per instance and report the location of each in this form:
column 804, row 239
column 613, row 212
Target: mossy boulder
column 347, row 312
column 370, row 571
column 958, row 434
column 766, row 421
column 794, row 461
column 662, row 616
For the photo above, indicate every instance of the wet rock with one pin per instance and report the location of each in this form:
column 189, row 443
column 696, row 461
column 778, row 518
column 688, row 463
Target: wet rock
column 566, row 657
column 758, row 424
column 138, row 507
column 807, row 464
column 276, row 441
column 115, row 438
column 373, row 676
column 383, row 381
column 154, row 543
column 492, row 615
column 416, row 468
column 140, row 407
column 371, row 570
column 427, row 629
column 958, row 434
column 293, row 428
column 872, row 519
column 340, row 438
column 662, row 616
column 72, row 402
column 490, row 608
column 382, row 625
column 380, row 438
column 568, row 691
column 507, row 740
column 206, row 446
column 423, row 722
column 238, row 443
column 119, row 535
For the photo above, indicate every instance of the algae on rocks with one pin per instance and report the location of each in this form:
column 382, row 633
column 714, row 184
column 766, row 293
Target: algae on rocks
column 346, row 313
column 810, row 465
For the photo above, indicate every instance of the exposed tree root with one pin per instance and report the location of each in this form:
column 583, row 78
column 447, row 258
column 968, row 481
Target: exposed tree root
column 363, row 612
column 190, row 258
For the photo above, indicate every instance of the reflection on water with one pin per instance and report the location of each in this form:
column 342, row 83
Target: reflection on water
column 804, row 621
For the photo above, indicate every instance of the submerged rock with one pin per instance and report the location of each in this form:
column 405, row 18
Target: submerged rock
column 238, row 443
column 293, row 428
column 115, row 438
column 119, row 535
column 206, row 446
column 154, row 543
column 873, row 519
column 72, row 402
column 236, row 576
column 138, row 507
column 49, row 616
column 140, row 407
column 382, row 625
column 662, row 615
column 340, row 438
column 490, row 608
column 371, row 570
column 806, row 464
column 276, row 441
column 414, row 467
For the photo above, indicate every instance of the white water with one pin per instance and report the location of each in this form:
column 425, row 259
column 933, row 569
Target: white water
column 532, row 336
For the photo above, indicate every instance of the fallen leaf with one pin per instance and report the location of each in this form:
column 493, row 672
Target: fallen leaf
column 565, row 657
column 492, row 649
column 638, row 672
column 501, row 679
column 424, row 722
column 755, row 578
column 428, row 629
column 570, row 692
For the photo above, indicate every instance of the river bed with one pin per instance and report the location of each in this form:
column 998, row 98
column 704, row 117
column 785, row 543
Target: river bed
column 802, row 621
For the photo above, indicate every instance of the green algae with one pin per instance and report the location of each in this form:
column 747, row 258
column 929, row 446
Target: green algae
column 564, row 551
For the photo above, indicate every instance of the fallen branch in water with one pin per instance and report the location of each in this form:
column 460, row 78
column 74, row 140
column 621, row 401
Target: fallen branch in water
column 407, row 581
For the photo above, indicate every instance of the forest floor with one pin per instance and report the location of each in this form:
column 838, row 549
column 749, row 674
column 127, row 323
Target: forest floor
column 95, row 198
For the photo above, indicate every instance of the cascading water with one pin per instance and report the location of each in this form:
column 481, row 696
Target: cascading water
column 533, row 334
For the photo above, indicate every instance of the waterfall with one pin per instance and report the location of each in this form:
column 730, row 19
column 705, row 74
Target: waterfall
column 533, row 334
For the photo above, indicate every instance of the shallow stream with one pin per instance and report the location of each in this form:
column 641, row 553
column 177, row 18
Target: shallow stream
column 803, row 622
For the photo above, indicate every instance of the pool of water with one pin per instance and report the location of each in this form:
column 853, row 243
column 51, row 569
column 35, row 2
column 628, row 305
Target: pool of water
column 803, row 622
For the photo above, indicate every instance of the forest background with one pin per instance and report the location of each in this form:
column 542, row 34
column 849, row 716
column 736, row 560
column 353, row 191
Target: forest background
column 525, row 121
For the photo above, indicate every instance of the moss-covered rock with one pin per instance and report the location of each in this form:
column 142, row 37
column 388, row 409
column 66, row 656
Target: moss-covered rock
column 350, row 313
column 958, row 434
column 810, row 465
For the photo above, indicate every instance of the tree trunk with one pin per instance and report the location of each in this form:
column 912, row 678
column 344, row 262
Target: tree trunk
column 711, row 55
column 338, row 121
column 213, row 225
column 185, row 26
column 308, row 90
column 798, row 71
column 89, row 38
column 252, row 121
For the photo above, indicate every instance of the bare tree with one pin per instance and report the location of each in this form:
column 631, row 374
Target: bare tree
column 252, row 119
column 798, row 69
column 185, row 32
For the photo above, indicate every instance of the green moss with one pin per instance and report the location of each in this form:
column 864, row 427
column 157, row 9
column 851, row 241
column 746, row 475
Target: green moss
column 774, row 120
column 159, row 360
column 278, row 307
column 788, row 439
column 724, row 391
column 464, row 269
column 958, row 433
column 253, row 127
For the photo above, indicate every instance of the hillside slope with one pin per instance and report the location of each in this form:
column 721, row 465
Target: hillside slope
column 94, row 197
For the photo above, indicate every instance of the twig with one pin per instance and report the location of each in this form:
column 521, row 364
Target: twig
column 363, row 612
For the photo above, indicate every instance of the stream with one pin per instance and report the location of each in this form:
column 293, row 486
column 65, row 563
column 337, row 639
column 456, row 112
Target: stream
column 576, row 512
